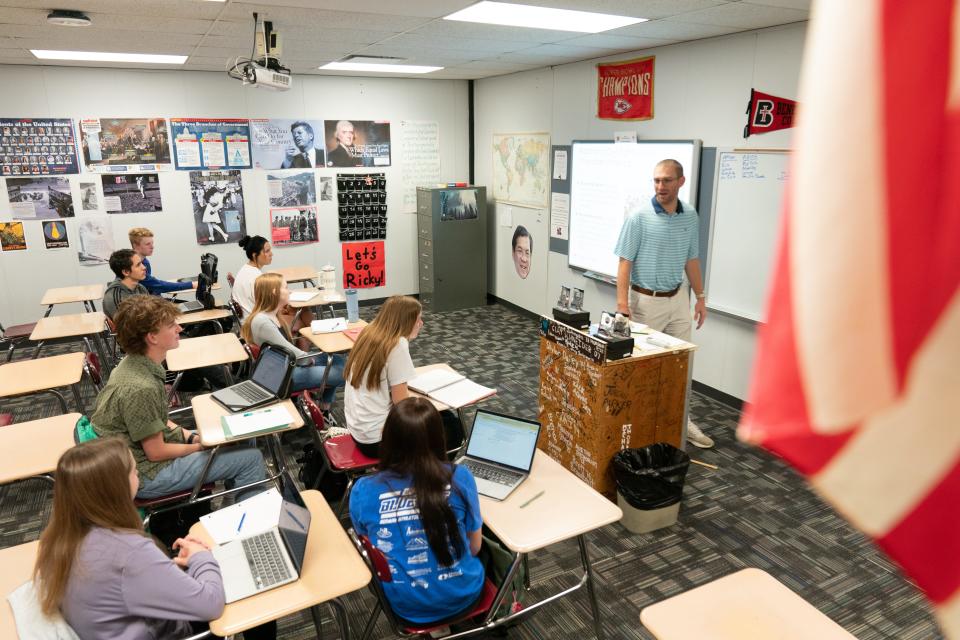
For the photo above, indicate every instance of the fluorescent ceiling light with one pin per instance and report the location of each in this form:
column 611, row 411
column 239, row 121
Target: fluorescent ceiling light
column 381, row 68
column 100, row 56
column 523, row 15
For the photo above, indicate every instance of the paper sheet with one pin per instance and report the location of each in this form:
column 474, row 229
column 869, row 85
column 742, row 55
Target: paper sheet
column 560, row 216
column 302, row 296
column 331, row 325
column 431, row 380
column 259, row 514
column 240, row 424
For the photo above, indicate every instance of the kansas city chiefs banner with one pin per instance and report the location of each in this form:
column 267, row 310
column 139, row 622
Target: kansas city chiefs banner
column 767, row 113
column 625, row 90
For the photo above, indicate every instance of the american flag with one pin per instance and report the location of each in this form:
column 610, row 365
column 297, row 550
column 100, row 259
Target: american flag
column 857, row 381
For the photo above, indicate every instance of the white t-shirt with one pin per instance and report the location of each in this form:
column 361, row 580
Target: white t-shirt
column 243, row 287
column 366, row 409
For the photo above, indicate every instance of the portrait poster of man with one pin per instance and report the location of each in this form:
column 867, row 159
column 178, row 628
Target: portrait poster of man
column 11, row 236
column 30, row 146
column 40, row 198
column 210, row 143
column 218, row 212
column 293, row 225
column 291, row 188
column 458, row 204
column 287, row 144
column 131, row 193
column 358, row 143
column 96, row 240
column 55, row 234
column 135, row 144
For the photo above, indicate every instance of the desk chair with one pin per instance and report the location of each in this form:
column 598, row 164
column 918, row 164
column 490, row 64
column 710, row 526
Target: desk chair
column 15, row 335
column 377, row 564
column 340, row 455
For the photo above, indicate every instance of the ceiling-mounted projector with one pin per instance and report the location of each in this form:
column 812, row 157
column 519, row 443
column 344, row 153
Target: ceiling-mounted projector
column 262, row 68
column 262, row 77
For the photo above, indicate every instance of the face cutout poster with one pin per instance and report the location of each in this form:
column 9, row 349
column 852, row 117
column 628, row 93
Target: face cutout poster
column 364, row 265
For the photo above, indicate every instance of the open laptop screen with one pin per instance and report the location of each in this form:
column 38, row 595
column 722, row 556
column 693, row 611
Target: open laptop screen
column 270, row 370
column 503, row 439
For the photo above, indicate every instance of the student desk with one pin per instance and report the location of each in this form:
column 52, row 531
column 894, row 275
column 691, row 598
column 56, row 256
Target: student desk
column 747, row 605
column 334, row 342
column 205, row 315
column 566, row 508
column 205, row 351
column 44, row 375
column 35, row 447
column 77, row 325
column 85, row 293
column 441, row 406
column 17, row 563
column 321, row 297
column 331, row 568
column 302, row 273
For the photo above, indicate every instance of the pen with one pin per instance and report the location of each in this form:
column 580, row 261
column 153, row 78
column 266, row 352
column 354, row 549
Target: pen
column 242, row 518
column 532, row 499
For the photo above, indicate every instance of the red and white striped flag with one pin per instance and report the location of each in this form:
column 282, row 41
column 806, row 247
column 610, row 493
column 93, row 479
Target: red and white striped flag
column 857, row 380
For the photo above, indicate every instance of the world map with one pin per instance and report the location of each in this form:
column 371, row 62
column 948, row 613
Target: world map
column 521, row 168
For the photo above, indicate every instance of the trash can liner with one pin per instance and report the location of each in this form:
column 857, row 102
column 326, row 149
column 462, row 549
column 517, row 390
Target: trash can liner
column 651, row 477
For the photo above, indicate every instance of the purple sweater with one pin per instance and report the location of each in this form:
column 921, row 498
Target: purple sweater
column 123, row 587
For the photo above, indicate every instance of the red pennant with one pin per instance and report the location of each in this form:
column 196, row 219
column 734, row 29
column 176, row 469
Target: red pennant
column 767, row 113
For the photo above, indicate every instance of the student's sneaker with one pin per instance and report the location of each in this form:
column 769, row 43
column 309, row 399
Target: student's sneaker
column 333, row 432
column 698, row 438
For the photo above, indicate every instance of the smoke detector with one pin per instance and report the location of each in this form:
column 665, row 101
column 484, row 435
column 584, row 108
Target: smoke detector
column 65, row 18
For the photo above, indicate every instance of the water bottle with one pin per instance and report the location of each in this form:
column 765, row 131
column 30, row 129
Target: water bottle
column 353, row 305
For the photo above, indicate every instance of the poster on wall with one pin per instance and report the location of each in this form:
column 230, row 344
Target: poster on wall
column 326, row 188
column 458, row 204
column 96, row 240
column 521, row 249
column 767, row 113
column 362, row 206
column 293, row 225
column 521, row 168
column 218, row 213
column 131, row 193
column 210, row 143
column 11, row 236
column 625, row 89
column 40, row 198
column 31, row 146
column 55, row 235
column 125, row 144
column 291, row 188
column 89, row 200
column 287, row 144
column 419, row 159
column 364, row 265
column 358, row 143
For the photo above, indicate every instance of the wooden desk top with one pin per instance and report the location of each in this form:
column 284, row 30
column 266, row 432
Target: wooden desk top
column 28, row 376
column 79, row 293
column 332, row 567
column 207, row 414
column 17, row 563
column 204, row 315
column 323, row 297
column 68, row 326
column 332, row 342
column 749, row 604
column 206, row 351
column 298, row 273
column 36, row 446
column 567, row 508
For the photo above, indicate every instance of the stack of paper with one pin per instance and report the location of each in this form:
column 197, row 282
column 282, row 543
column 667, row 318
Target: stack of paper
column 302, row 296
column 254, row 422
column 328, row 326
column 449, row 387
column 245, row 518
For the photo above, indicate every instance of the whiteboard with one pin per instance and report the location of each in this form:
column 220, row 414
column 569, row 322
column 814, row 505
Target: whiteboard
column 748, row 189
column 609, row 181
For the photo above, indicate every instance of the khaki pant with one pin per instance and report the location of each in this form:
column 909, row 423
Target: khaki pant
column 668, row 315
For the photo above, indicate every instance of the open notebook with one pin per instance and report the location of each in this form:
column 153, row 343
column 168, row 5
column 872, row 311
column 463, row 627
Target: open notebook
column 449, row 387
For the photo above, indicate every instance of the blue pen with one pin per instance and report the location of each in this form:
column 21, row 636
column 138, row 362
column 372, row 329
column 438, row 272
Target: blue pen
column 242, row 518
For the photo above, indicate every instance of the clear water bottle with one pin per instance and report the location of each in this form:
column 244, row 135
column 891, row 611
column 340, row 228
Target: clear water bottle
column 353, row 305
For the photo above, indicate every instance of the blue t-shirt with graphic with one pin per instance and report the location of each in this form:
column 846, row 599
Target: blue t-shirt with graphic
column 383, row 508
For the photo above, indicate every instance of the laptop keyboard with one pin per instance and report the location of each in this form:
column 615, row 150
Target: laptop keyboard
column 493, row 474
column 265, row 559
column 250, row 392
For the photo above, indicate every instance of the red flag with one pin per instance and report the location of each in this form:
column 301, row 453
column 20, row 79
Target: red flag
column 767, row 113
column 858, row 367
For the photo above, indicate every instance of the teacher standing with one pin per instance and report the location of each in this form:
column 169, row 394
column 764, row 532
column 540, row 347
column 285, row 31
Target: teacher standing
column 657, row 244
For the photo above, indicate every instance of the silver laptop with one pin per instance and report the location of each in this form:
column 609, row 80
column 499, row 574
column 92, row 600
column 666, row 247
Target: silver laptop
column 190, row 306
column 266, row 560
column 499, row 452
column 268, row 382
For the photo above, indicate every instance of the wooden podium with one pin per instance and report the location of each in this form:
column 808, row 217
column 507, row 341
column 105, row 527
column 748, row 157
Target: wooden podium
column 591, row 408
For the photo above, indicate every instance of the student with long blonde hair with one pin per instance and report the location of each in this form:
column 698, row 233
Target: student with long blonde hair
column 265, row 325
column 377, row 372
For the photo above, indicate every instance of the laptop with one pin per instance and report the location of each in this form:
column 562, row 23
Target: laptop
column 266, row 560
column 500, row 452
column 269, row 382
column 190, row 306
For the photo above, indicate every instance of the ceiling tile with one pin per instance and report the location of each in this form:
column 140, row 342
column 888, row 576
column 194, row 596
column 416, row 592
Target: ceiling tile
column 743, row 16
column 671, row 29
column 803, row 5
column 320, row 19
column 457, row 44
column 636, row 8
column 455, row 29
column 619, row 43
column 192, row 9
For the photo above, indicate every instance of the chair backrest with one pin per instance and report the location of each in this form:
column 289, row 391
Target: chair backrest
column 91, row 365
column 316, row 415
column 254, row 350
column 378, row 562
column 237, row 309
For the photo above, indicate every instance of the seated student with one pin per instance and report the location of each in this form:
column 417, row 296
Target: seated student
column 102, row 571
column 133, row 406
column 264, row 325
column 377, row 372
column 436, row 574
column 141, row 239
column 127, row 265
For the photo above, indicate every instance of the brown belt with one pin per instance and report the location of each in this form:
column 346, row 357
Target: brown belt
column 655, row 294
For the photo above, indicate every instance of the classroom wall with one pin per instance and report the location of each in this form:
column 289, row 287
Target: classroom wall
column 84, row 93
column 701, row 91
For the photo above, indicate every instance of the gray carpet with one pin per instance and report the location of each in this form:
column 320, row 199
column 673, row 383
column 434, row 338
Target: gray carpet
column 753, row 511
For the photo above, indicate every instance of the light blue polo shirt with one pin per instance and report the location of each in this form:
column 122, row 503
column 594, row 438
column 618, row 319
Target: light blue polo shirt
column 659, row 244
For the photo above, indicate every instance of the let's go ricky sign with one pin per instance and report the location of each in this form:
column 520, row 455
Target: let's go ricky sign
column 363, row 265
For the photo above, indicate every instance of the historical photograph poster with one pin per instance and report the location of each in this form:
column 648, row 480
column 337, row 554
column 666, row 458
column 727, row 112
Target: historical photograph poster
column 125, row 144
column 358, row 143
column 40, row 198
column 96, row 240
column 293, row 225
column 291, row 188
column 218, row 212
column 287, row 144
column 210, row 143
column 32, row 146
column 131, row 193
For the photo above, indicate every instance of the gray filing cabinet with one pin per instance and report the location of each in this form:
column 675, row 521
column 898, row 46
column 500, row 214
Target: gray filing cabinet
column 452, row 247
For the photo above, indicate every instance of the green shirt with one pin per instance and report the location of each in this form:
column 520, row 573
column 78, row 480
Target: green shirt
column 133, row 406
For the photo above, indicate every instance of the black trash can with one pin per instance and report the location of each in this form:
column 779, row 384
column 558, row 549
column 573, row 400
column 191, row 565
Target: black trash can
column 650, row 485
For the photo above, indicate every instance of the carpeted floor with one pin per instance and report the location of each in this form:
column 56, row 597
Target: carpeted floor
column 752, row 512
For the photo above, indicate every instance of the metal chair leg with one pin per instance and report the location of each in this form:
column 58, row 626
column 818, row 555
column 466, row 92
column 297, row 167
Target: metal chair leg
column 585, row 559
